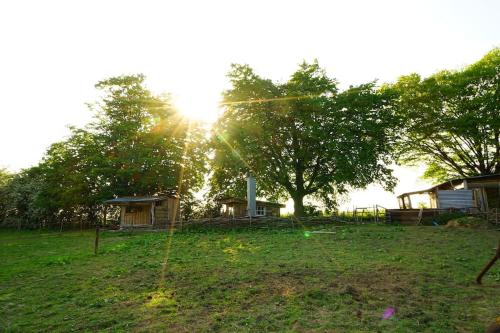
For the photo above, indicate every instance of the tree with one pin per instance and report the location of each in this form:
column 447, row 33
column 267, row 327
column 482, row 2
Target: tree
column 5, row 181
column 300, row 138
column 73, row 185
column 148, row 146
column 451, row 120
column 22, row 193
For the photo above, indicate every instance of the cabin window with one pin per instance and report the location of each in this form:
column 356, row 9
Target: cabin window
column 261, row 211
column 158, row 203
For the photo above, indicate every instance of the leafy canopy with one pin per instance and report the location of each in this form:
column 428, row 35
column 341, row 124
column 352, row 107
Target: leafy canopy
column 300, row 138
column 451, row 120
column 138, row 144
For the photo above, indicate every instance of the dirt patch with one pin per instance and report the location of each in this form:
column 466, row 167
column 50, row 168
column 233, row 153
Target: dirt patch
column 363, row 295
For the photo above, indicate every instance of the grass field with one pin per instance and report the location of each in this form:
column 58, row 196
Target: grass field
column 249, row 280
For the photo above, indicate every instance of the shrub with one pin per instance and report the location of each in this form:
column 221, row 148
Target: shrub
column 442, row 219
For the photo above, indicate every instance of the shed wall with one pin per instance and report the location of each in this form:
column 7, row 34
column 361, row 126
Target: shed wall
column 139, row 216
column 455, row 199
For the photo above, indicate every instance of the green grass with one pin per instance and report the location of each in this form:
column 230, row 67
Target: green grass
column 249, row 280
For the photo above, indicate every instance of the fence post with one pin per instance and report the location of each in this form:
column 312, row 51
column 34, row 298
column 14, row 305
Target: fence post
column 96, row 245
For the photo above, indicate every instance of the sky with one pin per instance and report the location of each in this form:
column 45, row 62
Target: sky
column 53, row 52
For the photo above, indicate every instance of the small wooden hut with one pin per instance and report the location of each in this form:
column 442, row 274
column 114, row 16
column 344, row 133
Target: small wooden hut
column 154, row 211
column 236, row 207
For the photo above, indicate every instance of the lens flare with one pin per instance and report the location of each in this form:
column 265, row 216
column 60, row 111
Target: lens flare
column 388, row 313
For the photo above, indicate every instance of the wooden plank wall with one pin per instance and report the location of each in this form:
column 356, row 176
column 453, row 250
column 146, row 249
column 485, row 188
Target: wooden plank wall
column 272, row 211
column 409, row 216
column 174, row 209
column 140, row 217
column 161, row 214
column 240, row 210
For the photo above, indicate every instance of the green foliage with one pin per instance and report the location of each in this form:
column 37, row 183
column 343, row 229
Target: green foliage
column 301, row 137
column 451, row 120
column 20, row 197
column 138, row 144
column 5, row 180
column 312, row 210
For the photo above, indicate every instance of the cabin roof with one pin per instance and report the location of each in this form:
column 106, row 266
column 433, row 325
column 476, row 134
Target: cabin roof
column 121, row 200
column 449, row 184
column 233, row 200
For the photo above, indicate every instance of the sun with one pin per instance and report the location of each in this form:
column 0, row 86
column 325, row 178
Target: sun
column 199, row 107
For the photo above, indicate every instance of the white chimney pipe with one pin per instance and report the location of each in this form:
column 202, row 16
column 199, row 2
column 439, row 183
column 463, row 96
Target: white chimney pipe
column 251, row 200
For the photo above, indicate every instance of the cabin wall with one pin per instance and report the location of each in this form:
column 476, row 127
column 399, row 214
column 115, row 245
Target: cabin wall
column 240, row 210
column 409, row 216
column 161, row 214
column 272, row 211
column 174, row 209
column 487, row 193
column 493, row 197
column 166, row 211
column 233, row 210
column 135, row 215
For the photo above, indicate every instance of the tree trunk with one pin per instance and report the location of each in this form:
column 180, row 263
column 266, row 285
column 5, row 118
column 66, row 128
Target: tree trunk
column 298, row 205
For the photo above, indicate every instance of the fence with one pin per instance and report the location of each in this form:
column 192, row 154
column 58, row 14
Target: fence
column 266, row 222
column 375, row 214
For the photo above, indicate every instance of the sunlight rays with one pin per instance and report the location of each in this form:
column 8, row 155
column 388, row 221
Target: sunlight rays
column 233, row 150
column 161, row 283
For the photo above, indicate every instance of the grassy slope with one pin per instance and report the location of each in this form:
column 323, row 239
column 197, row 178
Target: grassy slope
column 249, row 280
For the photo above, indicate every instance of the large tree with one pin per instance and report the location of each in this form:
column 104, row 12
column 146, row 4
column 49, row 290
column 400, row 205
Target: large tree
column 451, row 120
column 300, row 138
column 149, row 147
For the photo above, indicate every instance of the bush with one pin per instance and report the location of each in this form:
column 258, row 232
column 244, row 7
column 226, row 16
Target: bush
column 312, row 210
column 442, row 219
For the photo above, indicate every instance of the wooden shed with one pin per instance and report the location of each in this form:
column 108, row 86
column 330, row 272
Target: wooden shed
column 236, row 207
column 154, row 211
column 479, row 193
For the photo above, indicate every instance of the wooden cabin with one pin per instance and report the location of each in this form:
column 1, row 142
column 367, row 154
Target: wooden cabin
column 154, row 211
column 236, row 207
column 479, row 193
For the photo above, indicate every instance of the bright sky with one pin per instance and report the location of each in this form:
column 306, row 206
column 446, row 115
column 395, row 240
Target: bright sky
column 53, row 52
